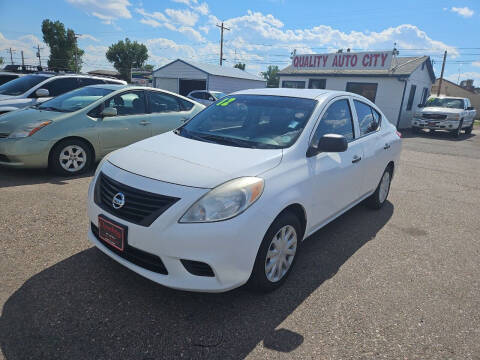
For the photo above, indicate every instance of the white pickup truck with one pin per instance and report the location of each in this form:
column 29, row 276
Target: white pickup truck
column 453, row 114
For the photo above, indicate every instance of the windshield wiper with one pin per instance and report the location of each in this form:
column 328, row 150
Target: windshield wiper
column 226, row 140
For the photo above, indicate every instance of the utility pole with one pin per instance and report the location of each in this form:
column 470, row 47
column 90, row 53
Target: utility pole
column 11, row 54
column 23, row 60
column 38, row 48
column 441, row 74
column 76, row 52
column 221, row 41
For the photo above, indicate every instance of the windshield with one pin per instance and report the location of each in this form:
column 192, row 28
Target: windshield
column 218, row 95
column 75, row 99
column 20, row 85
column 445, row 102
column 253, row 121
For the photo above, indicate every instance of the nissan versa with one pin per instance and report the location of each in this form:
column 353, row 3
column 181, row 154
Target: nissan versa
column 227, row 198
column 70, row 132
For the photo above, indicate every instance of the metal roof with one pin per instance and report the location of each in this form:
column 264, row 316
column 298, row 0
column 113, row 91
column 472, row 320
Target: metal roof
column 401, row 66
column 217, row 70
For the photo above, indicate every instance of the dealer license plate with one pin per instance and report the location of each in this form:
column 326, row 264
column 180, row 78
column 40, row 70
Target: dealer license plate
column 112, row 233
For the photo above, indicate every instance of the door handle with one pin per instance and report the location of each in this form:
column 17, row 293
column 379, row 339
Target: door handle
column 144, row 122
column 356, row 159
column 387, row 146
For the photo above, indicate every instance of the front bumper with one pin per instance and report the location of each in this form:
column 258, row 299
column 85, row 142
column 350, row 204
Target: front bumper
column 25, row 152
column 435, row 124
column 229, row 247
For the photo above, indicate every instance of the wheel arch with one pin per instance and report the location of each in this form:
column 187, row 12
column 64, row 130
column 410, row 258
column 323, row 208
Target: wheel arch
column 299, row 211
column 391, row 166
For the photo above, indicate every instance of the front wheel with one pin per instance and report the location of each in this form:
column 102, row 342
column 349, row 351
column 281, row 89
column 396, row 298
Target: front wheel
column 277, row 254
column 457, row 132
column 70, row 157
column 378, row 198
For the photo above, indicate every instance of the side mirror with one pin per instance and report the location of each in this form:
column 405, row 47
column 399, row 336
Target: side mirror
column 420, row 105
column 109, row 112
column 470, row 108
column 328, row 143
column 42, row 93
column 211, row 98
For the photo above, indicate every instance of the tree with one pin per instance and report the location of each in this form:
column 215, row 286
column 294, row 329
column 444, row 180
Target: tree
column 126, row 55
column 271, row 75
column 63, row 46
column 1, row 60
column 239, row 66
column 148, row 67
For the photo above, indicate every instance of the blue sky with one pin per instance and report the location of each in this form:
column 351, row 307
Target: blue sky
column 262, row 32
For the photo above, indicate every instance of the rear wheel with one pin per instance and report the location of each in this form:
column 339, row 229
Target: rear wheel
column 70, row 157
column 277, row 254
column 378, row 198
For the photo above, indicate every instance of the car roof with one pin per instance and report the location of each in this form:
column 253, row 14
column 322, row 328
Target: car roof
column 109, row 86
column 299, row 93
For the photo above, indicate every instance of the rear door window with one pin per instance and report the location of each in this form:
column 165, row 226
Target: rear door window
column 161, row 102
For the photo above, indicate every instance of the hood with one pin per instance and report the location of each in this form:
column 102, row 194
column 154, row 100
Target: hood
column 6, row 97
column 172, row 158
column 7, row 100
column 441, row 110
column 17, row 119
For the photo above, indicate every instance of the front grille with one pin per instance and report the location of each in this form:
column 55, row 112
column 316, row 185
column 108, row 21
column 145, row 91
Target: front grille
column 4, row 135
column 141, row 207
column 434, row 116
column 4, row 158
column 135, row 256
column 197, row 268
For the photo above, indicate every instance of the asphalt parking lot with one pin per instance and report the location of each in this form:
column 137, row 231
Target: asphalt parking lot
column 402, row 282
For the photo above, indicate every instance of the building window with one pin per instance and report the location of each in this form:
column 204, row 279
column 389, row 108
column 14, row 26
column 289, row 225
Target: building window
column 317, row 83
column 368, row 90
column 424, row 96
column 293, row 84
column 413, row 88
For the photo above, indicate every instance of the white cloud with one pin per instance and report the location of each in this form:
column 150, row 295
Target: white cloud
column 105, row 10
column 151, row 22
column 476, row 63
column 155, row 15
column 186, row 2
column 89, row 37
column 465, row 76
column 191, row 33
column 182, row 17
column 26, row 44
column 202, row 8
column 463, row 11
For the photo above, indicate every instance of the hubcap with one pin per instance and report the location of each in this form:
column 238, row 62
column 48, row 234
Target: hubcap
column 73, row 158
column 384, row 187
column 281, row 253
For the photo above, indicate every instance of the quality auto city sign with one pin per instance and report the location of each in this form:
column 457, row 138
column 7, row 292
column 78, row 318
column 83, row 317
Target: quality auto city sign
column 372, row 60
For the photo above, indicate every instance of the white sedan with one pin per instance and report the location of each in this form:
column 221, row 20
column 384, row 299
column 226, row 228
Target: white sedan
column 228, row 198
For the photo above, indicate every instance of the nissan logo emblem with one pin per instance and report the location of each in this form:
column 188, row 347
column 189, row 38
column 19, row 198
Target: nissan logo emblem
column 118, row 200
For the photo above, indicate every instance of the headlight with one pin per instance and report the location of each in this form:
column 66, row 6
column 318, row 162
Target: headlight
column 225, row 201
column 29, row 130
column 454, row 117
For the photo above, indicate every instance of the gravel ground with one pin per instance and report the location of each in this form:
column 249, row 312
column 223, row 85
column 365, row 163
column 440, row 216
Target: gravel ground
column 402, row 282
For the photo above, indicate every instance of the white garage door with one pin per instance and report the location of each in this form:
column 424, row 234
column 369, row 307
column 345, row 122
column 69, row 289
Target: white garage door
column 167, row 84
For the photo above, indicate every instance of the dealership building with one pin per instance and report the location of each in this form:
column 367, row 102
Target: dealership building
column 395, row 84
column 182, row 77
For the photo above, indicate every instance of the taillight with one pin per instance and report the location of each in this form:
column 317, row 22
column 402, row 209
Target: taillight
column 399, row 133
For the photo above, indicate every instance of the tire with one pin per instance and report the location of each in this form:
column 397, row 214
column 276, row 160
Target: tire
column 259, row 280
column 469, row 130
column 457, row 132
column 378, row 198
column 70, row 157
